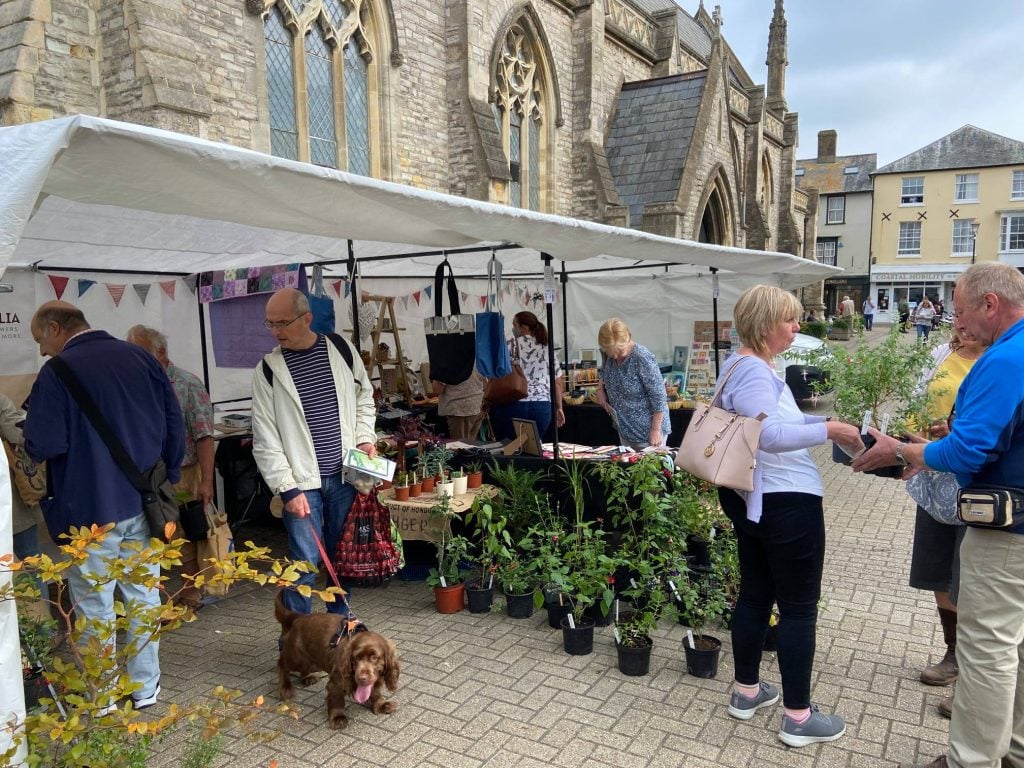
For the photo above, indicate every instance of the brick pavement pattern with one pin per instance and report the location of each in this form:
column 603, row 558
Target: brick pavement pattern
column 489, row 691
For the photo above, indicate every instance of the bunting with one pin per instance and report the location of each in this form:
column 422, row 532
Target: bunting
column 59, row 284
column 190, row 282
column 142, row 291
column 168, row 287
column 337, row 288
column 416, row 297
column 84, row 285
column 116, row 292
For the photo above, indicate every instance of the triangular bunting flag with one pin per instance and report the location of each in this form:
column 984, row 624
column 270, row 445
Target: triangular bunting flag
column 59, row 284
column 483, row 302
column 463, row 296
column 428, row 290
column 142, row 291
column 405, row 302
column 190, row 282
column 168, row 288
column 348, row 289
column 337, row 287
column 416, row 297
column 116, row 292
column 84, row 285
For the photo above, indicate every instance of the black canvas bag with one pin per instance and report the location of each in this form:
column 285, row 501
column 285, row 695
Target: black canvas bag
column 451, row 339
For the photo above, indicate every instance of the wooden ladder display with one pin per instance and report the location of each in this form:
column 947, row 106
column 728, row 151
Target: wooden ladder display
column 387, row 313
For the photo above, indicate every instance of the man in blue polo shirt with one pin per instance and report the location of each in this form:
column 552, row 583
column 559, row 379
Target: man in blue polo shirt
column 984, row 447
column 309, row 405
column 135, row 397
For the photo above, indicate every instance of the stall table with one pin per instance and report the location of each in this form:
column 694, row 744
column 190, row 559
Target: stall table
column 413, row 516
column 590, row 424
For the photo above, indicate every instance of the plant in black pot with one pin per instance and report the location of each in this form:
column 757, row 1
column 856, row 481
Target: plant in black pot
column 878, row 383
column 703, row 599
column 490, row 544
column 588, row 579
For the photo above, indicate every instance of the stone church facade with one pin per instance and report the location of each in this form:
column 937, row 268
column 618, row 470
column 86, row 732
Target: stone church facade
column 629, row 112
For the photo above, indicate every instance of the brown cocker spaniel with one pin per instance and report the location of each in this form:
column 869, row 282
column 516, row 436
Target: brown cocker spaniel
column 359, row 663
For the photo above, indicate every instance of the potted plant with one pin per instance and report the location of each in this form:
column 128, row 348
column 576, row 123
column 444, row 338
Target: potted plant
column 816, row 328
column 702, row 598
column 878, row 379
column 446, row 578
column 518, row 582
column 444, row 485
column 426, row 479
column 415, row 486
column 474, row 474
column 588, row 578
column 841, row 328
column 491, row 544
column 437, row 460
column 401, row 486
column 635, row 627
column 460, row 482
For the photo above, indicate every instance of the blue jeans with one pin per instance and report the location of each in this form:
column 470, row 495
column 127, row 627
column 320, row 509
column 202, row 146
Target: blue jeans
column 924, row 330
column 502, row 415
column 97, row 602
column 781, row 561
column 328, row 507
column 869, row 321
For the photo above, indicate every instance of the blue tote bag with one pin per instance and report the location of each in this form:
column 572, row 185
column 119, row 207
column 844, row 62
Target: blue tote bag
column 320, row 304
column 492, row 358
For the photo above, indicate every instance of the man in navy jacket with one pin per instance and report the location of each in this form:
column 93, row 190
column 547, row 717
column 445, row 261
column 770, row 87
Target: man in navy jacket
column 86, row 486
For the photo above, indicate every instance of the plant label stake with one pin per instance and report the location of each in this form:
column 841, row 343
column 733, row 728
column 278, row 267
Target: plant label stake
column 632, row 583
column 490, row 582
column 689, row 639
column 616, row 610
column 885, row 423
column 572, row 623
column 865, row 422
column 443, row 582
column 675, row 592
column 615, row 634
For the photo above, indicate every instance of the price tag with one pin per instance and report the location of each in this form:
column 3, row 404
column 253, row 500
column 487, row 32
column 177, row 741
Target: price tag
column 714, row 285
column 549, row 284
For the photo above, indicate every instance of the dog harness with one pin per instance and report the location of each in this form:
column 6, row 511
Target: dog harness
column 349, row 627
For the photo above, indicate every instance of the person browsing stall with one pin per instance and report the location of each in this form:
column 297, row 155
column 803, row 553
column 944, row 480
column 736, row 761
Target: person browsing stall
column 310, row 403
column 632, row 389
column 985, row 446
column 780, row 525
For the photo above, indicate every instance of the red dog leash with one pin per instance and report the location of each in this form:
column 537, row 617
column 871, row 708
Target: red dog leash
column 327, row 561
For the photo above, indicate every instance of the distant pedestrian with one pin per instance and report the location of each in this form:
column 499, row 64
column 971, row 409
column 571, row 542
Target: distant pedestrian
column 846, row 308
column 868, row 309
column 923, row 318
column 904, row 313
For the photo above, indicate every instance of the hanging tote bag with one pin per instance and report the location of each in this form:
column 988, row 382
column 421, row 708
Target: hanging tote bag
column 492, row 358
column 451, row 339
column 720, row 446
column 320, row 304
column 510, row 388
column 366, row 555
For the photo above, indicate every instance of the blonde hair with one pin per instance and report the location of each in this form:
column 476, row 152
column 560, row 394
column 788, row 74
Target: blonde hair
column 613, row 336
column 759, row 310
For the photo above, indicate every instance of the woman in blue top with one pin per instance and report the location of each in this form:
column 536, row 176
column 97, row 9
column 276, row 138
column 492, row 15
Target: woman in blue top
column 632, row 389
column 780, row 525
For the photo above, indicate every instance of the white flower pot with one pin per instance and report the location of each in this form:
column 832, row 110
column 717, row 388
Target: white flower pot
column 461, row 485
column 445, row 489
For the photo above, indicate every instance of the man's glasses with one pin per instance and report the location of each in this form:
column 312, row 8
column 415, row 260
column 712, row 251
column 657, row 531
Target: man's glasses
column 272, row 325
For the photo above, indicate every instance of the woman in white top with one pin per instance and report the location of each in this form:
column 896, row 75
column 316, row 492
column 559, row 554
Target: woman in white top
column 923, row 318
column 780, row 525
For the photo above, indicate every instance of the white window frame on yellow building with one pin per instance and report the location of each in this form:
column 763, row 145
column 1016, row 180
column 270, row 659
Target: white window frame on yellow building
column 908, row 254
column 962, row 188
column 1017, row 185
column 913, row 196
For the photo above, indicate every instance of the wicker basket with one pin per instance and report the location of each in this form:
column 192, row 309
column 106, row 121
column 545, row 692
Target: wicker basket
column 573, row 400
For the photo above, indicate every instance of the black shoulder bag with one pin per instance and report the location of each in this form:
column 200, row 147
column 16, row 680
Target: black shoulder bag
column 157, row 493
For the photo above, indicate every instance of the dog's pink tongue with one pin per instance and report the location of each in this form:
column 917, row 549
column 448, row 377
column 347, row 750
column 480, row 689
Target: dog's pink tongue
column 362, row 693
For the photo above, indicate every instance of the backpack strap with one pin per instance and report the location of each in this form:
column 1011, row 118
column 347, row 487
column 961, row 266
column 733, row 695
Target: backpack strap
column 339, row 344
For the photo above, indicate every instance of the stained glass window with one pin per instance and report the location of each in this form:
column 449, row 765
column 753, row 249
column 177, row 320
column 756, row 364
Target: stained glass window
column 534, row 177
column 357, row 120
column 280, row 86
column 310, row 76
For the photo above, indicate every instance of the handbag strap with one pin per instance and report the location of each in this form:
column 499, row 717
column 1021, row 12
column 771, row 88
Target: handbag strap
column 92, row 412
column 717, row 399
column 317, row 289
column 453, row 292
column 515, row 351
column 494, row 272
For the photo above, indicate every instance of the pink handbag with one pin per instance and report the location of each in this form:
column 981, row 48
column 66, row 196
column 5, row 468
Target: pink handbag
column 721, row 446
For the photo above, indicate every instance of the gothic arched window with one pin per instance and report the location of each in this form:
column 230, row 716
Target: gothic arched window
column 321, row 60
column 521, row 109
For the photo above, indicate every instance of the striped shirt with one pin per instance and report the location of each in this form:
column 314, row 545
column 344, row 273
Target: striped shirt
column 311, row 371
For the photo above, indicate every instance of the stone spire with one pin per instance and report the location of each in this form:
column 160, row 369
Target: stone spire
column 777, row 61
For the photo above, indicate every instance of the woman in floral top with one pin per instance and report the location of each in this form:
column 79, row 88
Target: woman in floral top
column 632, row 389
column 529, row 348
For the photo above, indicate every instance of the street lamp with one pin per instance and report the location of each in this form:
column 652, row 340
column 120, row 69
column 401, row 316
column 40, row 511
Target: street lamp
column 975, row 224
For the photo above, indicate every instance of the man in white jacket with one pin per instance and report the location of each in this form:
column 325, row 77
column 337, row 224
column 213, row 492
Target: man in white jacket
column 311, row 402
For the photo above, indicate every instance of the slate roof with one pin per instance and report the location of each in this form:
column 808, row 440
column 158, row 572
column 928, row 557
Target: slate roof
column 966, row 147
column 831, row 178
column 650, row 137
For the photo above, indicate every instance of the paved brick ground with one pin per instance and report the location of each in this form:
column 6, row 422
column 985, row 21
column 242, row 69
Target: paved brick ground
column 495, row 692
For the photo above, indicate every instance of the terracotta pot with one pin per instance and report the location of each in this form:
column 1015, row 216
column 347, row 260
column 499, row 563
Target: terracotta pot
column 450, row 599
column 475, row 479
column 428, row 484
column 402, row 493
column 416, row 489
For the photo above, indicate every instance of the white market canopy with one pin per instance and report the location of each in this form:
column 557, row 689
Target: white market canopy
column 89, row 193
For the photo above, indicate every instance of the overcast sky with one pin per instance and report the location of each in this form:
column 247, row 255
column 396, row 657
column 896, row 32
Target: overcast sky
column 889, row 75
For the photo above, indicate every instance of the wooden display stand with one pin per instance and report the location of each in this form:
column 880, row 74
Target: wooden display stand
column 390, row 373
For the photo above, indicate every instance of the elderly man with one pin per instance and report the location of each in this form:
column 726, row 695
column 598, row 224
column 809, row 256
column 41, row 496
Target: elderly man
column 197, row 465
column 311, row 401
column 135, row 397
column 984, row 447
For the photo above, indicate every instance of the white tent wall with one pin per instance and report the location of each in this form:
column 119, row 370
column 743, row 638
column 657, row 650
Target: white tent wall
column 12, row 691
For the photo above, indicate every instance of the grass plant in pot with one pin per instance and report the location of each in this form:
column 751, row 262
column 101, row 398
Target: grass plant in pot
column 401, row 486
column 879, row 378
column 474, row 474
column 447, row 578
column 490, row 544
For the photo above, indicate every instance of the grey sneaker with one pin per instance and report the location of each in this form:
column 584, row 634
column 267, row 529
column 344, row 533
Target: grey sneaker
column 817, row 728
column 743, row 707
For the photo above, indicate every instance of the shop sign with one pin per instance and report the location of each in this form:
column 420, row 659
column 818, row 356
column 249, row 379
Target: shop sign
column 911, row 277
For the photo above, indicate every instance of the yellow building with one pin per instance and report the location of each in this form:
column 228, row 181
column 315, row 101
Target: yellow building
column 938, row 210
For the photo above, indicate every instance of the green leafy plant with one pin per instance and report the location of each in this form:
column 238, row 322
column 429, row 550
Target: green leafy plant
column 401, row 479
column 881, row 378
column 816, row 328
column 437, row 460
column 520, row 498
column 490, row 539
column 75, row 726
column 451, row 550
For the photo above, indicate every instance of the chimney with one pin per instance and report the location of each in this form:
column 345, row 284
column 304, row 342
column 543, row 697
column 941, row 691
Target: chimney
column 827, row 146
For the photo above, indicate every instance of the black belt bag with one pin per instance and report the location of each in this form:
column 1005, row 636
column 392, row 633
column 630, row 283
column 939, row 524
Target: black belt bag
column 991, row 506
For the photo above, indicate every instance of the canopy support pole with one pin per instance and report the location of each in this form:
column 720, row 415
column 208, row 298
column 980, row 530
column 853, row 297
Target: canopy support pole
column 202, row 342
column 355, row 298
column 550, row 310
column 714, row 317
column 564, row 278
